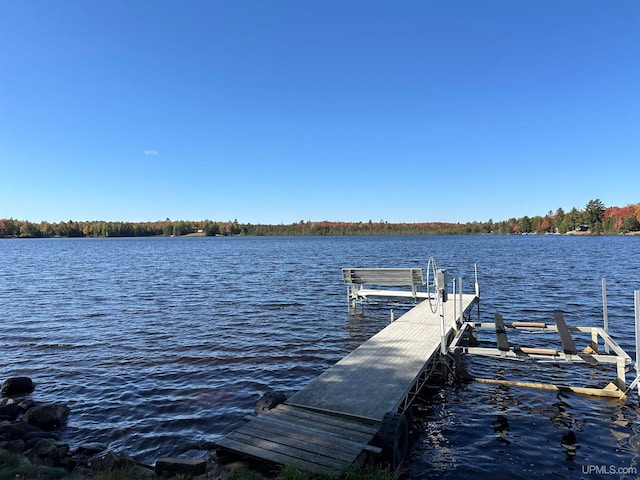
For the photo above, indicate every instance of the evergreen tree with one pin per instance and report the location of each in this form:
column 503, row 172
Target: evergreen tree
column 594, row 211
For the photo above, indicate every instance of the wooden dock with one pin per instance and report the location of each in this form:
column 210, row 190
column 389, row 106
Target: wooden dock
column 354, row 409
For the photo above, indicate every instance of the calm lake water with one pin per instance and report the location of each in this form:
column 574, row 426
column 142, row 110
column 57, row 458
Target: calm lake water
column 157, row 343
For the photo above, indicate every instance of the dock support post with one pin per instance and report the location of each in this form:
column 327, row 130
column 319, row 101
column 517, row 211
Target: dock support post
column 460, row 299
column 605, row 316
column 443, row 337
column 636, row 298
column 594, row 340
column 475, row 266
column 621, row 379
column 455, row 313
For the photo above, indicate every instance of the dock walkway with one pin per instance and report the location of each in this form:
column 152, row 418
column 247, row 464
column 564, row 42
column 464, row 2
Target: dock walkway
column 377, row 376
column 333, row 421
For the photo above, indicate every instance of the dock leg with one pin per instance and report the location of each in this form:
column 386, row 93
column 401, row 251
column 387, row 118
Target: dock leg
column 636, row 304
column 594, row 340
column 621, row 379
column 473, row 341
column 444, row 370
column 460, row 372
column 351, row 300
column 447, row 370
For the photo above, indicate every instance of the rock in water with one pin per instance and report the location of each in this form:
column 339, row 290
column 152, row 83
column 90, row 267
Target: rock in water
column 17, row 386
column 47, row 417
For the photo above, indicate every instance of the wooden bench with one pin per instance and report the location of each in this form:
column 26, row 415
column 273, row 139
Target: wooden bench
column 359, row 279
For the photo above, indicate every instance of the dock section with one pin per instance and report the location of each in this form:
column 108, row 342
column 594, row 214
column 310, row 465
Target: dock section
column 377, row 377
column 354, row 409
column 311, row 441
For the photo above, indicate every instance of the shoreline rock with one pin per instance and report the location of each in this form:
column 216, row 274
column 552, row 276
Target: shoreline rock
column 32, row 432
column 14, row 386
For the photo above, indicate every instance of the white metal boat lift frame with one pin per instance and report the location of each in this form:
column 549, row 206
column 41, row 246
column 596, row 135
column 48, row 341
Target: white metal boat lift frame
column 613, row 353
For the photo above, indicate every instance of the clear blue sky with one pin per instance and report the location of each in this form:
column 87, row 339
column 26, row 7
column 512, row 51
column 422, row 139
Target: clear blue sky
column 350, row 110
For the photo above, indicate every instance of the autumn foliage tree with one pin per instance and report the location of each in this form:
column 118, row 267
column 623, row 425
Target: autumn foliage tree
column 595, row 218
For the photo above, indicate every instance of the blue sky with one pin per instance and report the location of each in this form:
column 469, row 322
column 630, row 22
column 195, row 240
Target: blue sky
column 351, row 110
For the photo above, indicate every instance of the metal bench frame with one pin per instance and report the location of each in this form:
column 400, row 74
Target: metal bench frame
column 360, row 280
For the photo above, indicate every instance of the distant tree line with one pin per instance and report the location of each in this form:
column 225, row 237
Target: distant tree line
column 595, row 219
column 23, row 228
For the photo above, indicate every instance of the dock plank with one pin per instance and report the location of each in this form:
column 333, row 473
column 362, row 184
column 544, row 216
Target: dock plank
column 312, row 426
column 309, row 440
column 271, row 452
column 327, row 446
column 301, row 415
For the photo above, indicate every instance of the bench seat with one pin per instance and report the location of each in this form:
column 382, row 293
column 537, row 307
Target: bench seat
column 361, row 282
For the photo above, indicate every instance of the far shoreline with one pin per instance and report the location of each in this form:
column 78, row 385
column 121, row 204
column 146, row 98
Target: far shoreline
column 201, row 234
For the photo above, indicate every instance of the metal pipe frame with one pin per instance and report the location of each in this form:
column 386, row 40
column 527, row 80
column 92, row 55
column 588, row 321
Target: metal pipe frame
column 620, row 358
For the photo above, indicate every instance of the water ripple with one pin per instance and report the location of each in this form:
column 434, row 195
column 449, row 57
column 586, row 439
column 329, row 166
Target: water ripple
column 157, row 343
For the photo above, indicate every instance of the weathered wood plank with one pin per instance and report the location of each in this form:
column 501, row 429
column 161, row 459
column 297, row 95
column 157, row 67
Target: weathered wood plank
column 296, row 452
column 328, row 429
column 310, row 427
column 314, row 442
column 341, row 423
column 610, row 390
column 274, row 456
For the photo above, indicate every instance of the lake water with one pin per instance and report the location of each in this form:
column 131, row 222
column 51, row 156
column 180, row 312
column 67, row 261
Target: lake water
column 157, row 343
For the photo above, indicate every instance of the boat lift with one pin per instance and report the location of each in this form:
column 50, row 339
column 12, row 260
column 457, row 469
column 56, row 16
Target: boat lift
column 466, row 343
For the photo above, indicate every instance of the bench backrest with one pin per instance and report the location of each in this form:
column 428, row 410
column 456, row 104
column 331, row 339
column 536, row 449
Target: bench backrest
column 383, row 276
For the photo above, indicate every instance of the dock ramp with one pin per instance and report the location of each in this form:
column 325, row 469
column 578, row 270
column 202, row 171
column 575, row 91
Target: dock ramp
column 311, row 441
